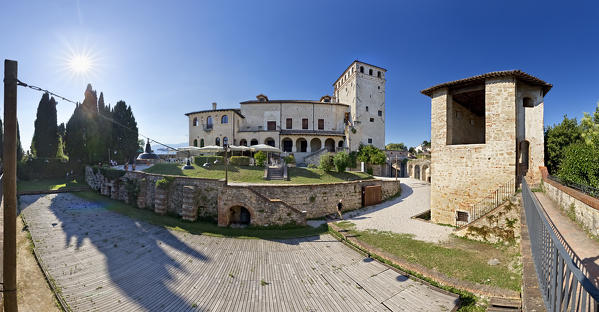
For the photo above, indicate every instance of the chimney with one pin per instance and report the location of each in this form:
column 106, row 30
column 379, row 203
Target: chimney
column 213, row 105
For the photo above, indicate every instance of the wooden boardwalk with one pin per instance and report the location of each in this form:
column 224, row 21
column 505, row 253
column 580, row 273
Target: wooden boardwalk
column 103, row 261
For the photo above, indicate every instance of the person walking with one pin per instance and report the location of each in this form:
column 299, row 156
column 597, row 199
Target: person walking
column 339, row 208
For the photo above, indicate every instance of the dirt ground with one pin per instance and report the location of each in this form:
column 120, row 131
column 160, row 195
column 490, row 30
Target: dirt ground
column 33, row 292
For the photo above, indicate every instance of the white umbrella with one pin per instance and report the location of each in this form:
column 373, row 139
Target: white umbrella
column 211, row 148
column 240, row 148
column 264, row 148
column 187, row 151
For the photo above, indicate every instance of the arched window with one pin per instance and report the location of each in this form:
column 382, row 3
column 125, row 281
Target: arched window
column 224, row 119
column 195, row 121
column 270, row 141
column 379, row 74
column 254, row 142
column 209, row 122
column 217, row 141
column 195, row 142
column 362, row 69
column 201, row 142
column 243, row 142
column 370, row 72
column 225, row 141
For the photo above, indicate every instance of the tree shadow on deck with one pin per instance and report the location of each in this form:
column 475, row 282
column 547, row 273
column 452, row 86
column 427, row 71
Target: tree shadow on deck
column 141, row 259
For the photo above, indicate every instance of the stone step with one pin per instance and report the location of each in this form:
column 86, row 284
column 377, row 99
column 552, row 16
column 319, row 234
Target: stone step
column 504, row 305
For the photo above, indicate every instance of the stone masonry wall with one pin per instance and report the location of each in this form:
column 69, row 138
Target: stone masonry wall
column 263, row 211
column 500, row 225
column 463, row 174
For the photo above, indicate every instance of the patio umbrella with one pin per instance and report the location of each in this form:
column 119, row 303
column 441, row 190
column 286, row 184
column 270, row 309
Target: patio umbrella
column 264, row 148
column 211, row 149
column 187, row 151
column 240, row 148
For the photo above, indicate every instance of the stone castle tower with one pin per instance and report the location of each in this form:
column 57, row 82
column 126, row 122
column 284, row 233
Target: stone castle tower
column 362, row 87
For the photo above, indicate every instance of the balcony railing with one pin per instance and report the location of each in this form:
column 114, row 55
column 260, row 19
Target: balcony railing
column 562, row 284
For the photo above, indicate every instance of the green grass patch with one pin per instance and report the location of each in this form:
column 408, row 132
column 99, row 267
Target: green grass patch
column 462, row 259
column 202, row 227
column 47, row 185
column 256, row 174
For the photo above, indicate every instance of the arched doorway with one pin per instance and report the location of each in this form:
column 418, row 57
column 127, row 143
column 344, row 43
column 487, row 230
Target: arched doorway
column 315, row 145
column 195, row 142
column 287, row 145
column 417, row 172
column 423, row 173
column 243, row 142
column 301, row 145
column 330, row 145
column 270, row 141
column 253, row 142
column 523, row 159
column 340, row 144
column 239, row 215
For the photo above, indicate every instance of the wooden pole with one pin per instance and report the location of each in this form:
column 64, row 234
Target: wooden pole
column 9, row 186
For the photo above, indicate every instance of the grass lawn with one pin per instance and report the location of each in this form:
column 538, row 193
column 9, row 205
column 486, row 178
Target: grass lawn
column 255, row 174
column 47, row 185
column 201, row 227
column 459, row 258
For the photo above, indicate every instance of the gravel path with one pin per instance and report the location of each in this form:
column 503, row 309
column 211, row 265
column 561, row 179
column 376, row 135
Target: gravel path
column 104, row 261
column 395, row 215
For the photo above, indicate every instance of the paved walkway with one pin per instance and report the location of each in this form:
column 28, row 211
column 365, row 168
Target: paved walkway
column 105, row 261
column 396, row 215
column 584, row 248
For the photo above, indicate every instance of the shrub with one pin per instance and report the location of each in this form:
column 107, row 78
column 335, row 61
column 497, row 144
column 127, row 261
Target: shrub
column 290, row 159
column 369, row 170
column 312, row 166
column 112, row 174
column 326, row 162
column 371, row 155
column 580, row 165
column 42, row 168
column 260, row 158
column 164, row 183
column 341, row 161
column 353, row 160
column 240, row 160
column 201, row 160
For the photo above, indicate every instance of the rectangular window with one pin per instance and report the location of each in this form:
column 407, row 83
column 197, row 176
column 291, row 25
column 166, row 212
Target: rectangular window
column 466, row 116
column 271, row 125
column 289, row 123
column 305, row 123
column 369, row 141
column 381, row 113
column 371, row 119
column 366, row 108
column 320, row 124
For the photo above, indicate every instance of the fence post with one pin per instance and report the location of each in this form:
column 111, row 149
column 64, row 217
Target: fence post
column 9, row 186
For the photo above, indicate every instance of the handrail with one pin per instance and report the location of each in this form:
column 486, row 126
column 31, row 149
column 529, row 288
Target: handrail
column 561, row 282
column 586, row 189
column 490, row 202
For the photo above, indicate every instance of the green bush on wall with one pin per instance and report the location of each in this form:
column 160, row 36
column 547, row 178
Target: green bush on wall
column 580, row 165
column 164, row 183
column 240, row 160
column 201, row 160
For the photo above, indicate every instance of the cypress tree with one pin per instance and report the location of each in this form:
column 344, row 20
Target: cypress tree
column 75, row 138
column 124, row 132
column 45, row 136
column 104, row 126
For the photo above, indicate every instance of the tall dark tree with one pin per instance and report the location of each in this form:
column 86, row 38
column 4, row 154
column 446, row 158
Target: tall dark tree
column 124, row 132
column 75, row 138
column 20, row 153
column 45, row 136
column 104, row 126
column 1, row 140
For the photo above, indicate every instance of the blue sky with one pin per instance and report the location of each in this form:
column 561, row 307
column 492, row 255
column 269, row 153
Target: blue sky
column 166, row 58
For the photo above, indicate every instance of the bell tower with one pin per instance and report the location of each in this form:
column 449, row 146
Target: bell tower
column 362, row 87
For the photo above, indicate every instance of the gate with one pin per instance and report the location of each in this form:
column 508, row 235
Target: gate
column 371, row 195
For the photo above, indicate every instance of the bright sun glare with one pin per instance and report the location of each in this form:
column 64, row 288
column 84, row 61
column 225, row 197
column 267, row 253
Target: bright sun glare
column 80, row 64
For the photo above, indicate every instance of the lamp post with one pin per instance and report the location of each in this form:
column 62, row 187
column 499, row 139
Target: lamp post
column 226, row 147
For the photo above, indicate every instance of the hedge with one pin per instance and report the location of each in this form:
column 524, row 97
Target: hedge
column 240, row 160
column 201, row 160
column 42, row 168
column 326, row 162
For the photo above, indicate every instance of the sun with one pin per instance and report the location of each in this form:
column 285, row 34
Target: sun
column 80, row 64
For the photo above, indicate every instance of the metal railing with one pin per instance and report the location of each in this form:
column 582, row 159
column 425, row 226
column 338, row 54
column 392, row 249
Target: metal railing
column 589, row 190
column 562, row 284
column 490, row 202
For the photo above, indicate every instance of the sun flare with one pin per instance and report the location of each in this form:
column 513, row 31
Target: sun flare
column 80, row 64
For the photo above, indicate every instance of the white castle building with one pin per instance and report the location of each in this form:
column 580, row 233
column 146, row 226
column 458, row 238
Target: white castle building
column 354, row 115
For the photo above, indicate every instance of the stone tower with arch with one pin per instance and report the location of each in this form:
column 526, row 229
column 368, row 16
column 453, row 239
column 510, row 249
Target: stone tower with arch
column 362, row 87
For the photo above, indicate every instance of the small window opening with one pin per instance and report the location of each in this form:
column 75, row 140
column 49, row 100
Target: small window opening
column 305, row 123
column 527, row 102
column 371, row 119
column 461, row 216
column 380, row 113
column 224, row 119
column 366, row 108
column 369, row 141
column 362, row 69
column 271, row 125
column 320, row 124
column 217, row 141
column 289, row 123
column 195, row 122
column 370, row 72
column 378, row 74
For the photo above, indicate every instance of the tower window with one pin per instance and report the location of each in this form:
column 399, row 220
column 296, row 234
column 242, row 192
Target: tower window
column 366, row 108
column 195, row 121
column 369, row 140
column 224, row 119
column 362, row 69
column 305, row 123
column 320, row 124
column 209, row 122
column 381, row 113
column 378, row 74
column 289, row 123
column 271, row 125
column 466, row 116
column 370, row 72
column 527, row 102
column 371, row 119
